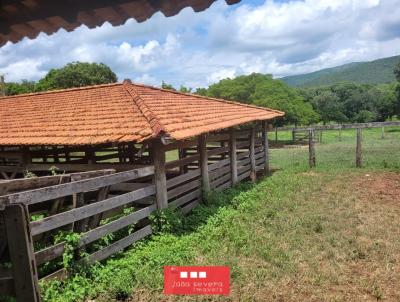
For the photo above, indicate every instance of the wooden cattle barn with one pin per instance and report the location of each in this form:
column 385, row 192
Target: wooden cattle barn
column 101, row 159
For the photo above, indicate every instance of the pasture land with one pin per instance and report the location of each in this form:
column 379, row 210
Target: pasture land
column 326, row 234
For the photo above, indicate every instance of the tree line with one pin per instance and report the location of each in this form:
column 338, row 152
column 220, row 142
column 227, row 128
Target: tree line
column 75, row 74
column 338, row 103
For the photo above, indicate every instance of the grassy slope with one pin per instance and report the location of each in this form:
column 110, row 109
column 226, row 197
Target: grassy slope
column 374, row 72
column 296, row 235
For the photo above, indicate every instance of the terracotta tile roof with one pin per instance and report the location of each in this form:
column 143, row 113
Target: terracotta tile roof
column 21, row 18
column 119, row 112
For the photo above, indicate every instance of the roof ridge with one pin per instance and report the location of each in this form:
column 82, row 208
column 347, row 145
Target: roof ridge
column 209, row 98
column 60, row 90
column 149, row 115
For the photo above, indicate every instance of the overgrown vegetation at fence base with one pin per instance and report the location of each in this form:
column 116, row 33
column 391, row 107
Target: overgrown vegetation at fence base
column 292, row 235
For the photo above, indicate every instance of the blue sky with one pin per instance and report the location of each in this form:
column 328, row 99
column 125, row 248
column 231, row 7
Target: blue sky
column 197, row 49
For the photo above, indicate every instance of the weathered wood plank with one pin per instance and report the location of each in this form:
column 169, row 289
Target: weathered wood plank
column 233, row 156
column 20, row 246
column 221, row 180
column 183, row 178
column 253, row 175
column 70, row 216
column 311, row 149
column 243, row 169
column 359, row 149
column 186, row 198
column 244, row 162
column 55, row 251
column 182, row 162
column 217, row 151
column 265, row 147
column 184, row 188
column 224, row 186
column 43, row 194
column 104, row 253
column 81, row 167
column 218, row 164
column 205, row 178
column 242, row 144
column 217, row 137
column 129, row 186
column 180, row 144
column 160, row 178
column 102, row 194
column 244, row 175
column 219, row 172
column 119, row 245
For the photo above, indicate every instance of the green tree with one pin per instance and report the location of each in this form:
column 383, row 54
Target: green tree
column 353, row 102
column 397, row 71
column 25, row 86
column 328, row 105
column 384, row 100
column 397, row 74
column 165, row 85
column 77, row 74
column 185, row 89
column 263, row 90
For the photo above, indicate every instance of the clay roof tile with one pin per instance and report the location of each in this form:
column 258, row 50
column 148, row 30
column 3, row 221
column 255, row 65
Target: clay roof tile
column 115, row 113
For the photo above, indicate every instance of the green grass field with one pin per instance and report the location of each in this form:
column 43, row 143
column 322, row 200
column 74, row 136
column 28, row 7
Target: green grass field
column 326, row 234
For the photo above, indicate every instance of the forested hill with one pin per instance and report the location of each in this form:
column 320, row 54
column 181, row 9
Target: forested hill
column 374, row 72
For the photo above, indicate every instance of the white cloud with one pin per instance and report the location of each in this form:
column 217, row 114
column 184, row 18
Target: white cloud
column 196, row 49
column 221, row 74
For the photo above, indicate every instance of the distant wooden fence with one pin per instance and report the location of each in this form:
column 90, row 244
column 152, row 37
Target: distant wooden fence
column 301, row 134
column 358, row 156
column 34, row 212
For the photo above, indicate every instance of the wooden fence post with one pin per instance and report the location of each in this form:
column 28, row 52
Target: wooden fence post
column 253, row 175
column 233, row 156
column 383, row 133
column 276, row 134
column 311, row 148
column 205, row 178
column 358, row 149
column 160, row 178
column 293, row 136
column 266, row 147
column 20, row 246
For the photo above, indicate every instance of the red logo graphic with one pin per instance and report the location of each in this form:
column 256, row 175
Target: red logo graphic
column 196, row 280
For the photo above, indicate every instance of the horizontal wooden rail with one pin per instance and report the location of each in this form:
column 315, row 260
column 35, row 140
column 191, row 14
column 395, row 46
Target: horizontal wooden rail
column 183, row 188
column 57, row 250
column 58, row 220
column 48, row 193
column 17, row 185
column 186, row 198
column 182, row 162
column 182, row 178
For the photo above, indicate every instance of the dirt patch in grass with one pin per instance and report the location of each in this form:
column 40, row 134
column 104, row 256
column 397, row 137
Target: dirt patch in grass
column 382, row 188
column 378, row 207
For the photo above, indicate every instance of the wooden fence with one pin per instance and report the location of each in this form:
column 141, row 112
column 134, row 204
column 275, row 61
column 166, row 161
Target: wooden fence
column 358, row 156
column 38, row 215
column 301, row 134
